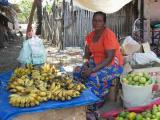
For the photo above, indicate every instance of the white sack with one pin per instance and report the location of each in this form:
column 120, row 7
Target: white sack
column 145, row 58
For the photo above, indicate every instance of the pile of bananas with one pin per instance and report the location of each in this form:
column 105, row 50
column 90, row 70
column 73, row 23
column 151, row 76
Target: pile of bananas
column 62, row 91
column 22, row 100
column 30, row 86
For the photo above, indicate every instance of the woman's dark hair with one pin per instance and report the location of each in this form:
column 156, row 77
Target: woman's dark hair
column 100, row 13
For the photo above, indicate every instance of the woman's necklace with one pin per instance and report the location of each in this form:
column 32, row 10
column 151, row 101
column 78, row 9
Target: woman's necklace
column 97, row 36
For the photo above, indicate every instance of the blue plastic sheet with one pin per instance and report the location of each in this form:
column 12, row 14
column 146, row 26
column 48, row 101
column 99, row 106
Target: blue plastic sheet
column 4, row 2
column 7, row 112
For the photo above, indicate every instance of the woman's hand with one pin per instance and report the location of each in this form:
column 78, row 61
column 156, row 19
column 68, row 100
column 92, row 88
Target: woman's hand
column 86, row 72
column 86, row 64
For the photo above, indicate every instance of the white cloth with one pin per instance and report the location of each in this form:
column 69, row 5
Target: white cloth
column 145, row 58
column 107, row 6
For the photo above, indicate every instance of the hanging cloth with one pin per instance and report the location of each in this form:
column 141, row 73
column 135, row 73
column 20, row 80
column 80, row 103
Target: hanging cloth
column 107, row 6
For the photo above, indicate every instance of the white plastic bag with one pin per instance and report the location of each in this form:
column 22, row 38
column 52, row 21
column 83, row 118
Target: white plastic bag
column 130, row 46
column 38, row 51
column 145, row 58
column 33, row 52
column 25, row 53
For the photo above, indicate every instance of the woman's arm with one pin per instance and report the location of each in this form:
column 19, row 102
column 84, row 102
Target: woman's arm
column 109, row 57
column 87, row 53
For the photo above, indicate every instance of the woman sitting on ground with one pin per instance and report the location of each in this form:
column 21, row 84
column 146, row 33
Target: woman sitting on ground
column 103, row 58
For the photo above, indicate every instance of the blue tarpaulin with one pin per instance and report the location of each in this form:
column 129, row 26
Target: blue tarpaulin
column 4, row 2
column 8, row 112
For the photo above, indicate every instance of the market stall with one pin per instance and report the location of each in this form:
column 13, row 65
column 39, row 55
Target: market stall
column 52, row 108
column 140, row 83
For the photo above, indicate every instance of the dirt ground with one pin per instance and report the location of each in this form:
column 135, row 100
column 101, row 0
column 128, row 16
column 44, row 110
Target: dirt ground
column 9, row 54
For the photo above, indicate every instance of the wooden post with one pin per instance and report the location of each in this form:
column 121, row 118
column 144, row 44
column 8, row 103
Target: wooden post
column 62, row 26
column 147, row 26
column 142, row 19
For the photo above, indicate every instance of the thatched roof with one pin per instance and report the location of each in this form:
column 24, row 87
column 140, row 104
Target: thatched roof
column 8, row 12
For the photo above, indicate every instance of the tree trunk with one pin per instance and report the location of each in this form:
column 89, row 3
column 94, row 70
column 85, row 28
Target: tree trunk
column 29, row 27
column 39, row 17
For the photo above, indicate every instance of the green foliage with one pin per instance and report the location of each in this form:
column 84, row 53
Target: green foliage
column 25, row 6
column 48, row 7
